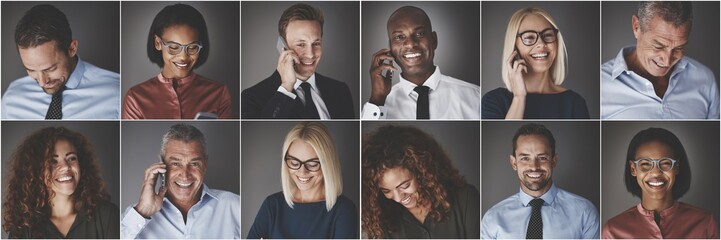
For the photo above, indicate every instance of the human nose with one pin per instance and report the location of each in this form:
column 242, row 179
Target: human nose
column 42, row 79
column 410, row 42
column 397, row 196
column 63, row 165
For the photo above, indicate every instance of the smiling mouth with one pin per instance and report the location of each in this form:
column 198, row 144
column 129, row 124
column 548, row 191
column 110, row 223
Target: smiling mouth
column 659, row 65
column 412, row 56
column 540, row 56
column 406, row 200
column 304, row 180
column 181, row 65
column 534, row 175
column 184, row 185
column 64, row 179
column 656, row 183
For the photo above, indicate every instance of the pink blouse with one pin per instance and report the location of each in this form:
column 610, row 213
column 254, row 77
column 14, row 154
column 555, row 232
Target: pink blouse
column 160, row 98
column 679, row 221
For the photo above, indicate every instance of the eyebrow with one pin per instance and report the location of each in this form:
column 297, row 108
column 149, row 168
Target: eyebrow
column 295, row 158
column 404, row 182
column 52, row 66
column 67, row 154
column 181, row 43
column 414, row 30
column 175, row 159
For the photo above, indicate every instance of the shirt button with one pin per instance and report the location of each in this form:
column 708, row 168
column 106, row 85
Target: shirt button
column 375, row 114
column 381, row 114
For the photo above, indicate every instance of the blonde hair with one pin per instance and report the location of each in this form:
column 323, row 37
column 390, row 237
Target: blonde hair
column 316, row 135
column 558, row 69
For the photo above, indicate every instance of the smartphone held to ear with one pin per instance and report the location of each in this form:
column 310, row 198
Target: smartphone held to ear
column 160, row 182
column 280, row 45
column 388, row 74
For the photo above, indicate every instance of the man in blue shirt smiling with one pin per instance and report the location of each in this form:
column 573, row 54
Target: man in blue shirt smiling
column 653, row 79
column 184, row 207
column 59, row 84
column 540, row 209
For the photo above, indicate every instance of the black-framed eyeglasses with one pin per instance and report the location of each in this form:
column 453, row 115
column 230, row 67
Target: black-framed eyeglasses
column 646, row 164
column 176, row 48
column 530, row 37
column 310, row 165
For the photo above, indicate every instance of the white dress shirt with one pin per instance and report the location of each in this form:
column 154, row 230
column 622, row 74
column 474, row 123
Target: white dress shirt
column 449, row 98
column 314, row 93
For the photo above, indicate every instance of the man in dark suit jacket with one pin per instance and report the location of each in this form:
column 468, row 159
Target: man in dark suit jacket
column 295, row 90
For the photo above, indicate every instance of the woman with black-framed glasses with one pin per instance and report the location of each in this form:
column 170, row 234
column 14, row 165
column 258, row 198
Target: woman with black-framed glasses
column 178, row 42
column 533, row 68
column 311, row 204
column 657, row 170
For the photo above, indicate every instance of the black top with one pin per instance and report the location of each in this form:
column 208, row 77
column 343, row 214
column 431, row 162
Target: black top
column 564, row 105
column 263, row 100
column 463, row 220
column 276, row 220
column 105, row 223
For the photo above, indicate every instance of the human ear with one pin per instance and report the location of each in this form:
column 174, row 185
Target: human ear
column 633, row 168
column 512, row 160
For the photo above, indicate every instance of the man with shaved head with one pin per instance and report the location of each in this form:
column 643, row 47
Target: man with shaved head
column 422, row 92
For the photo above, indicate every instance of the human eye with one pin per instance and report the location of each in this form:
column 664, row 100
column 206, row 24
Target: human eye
column 543, row 158
column 525, row 158
column 174, row 46
column 193, row 46
column 312, row 163
column 406, row 185
column 420, row 34
column 399, row 37
column 72, row 158
column 294, row 163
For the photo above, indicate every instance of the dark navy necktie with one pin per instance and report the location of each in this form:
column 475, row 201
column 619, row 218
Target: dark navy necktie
column 55, row 111
column 535, row 225
column 422, row 106
column 310, row 111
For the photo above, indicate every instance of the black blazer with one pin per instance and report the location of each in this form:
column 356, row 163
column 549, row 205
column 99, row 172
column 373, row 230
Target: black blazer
column 264, row 101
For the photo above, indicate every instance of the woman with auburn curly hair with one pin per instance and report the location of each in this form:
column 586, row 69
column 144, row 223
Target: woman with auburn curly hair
column 55, row 189
column 411, row 189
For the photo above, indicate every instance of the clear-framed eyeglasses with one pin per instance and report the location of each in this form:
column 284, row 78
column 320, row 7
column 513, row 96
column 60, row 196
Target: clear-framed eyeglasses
column 176, row 48
column 548, row 35
column 646, row 164
column 310, row 165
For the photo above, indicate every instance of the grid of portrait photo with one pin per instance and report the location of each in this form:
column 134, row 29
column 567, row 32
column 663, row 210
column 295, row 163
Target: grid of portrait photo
column 360, row 119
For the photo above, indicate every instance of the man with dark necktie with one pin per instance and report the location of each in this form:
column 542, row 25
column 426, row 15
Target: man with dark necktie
column 422, row 92
column 59, row 84
column 540, row 209
column 295, row 90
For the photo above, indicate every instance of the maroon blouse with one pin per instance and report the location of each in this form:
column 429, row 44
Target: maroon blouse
column 157, row 98
column 679, row 221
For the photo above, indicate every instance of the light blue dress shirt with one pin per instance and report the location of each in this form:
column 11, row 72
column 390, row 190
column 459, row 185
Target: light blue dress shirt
column 91, row 93
column 692, row 92
column 216, row 215
column 564, row 214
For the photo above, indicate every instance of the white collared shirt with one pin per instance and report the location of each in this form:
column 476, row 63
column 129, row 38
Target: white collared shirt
column 449, row 98
column 314, row 93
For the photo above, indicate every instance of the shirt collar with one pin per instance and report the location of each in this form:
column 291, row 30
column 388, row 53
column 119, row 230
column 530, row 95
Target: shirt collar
column 620, row 65
column 311, row 81
column 432, row 82
column 547, row 197
column 181, row 81
column 76, row 76
column 663, row 213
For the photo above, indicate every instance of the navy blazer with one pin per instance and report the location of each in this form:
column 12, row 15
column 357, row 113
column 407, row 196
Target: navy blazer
column 263, row 101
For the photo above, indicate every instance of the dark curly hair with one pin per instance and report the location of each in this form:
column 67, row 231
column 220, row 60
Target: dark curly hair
column 410, row 148
column 27, row 201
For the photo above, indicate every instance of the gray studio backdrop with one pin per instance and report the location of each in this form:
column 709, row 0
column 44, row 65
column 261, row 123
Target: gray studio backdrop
column 340, row 42
column 223, row 30
column 460, row 140
column 96, row 26
column 262, row 149
column 701, row 141
column 103, row 136
column 577, row 145
column 577, row 21
column 458, row 28
column 703, row 44
column 141, row 148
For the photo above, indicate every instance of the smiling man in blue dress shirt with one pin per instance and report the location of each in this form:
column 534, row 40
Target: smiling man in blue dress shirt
column 59, row 84
column 654, row 80
column 560, row 214
column 184, row 207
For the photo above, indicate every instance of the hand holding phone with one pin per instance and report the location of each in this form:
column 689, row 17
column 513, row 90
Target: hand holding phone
column 151, row 200
column 286, row 65
column 516, row 68
column 381, row 76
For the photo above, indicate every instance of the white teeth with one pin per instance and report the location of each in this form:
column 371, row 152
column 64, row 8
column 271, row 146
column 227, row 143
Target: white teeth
column 533, row 175
column 406, row 200
column 184, row 184
column 180, row 64
column 539, row 55
column 307, row 63
column 412, row 55
column 63, row 179
column 655, row 184
column 304, row 180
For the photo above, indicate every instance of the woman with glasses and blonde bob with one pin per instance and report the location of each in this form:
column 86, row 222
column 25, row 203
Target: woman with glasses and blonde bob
column 657, row 170
column 533, row 68
column 178, row 42
column 311, row 204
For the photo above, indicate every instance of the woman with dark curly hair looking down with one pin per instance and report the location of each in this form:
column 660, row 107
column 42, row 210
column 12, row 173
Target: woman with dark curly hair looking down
column 411, row 189
column 55, row 189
